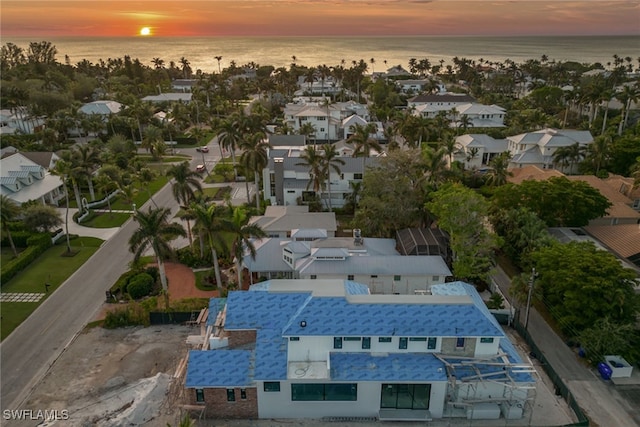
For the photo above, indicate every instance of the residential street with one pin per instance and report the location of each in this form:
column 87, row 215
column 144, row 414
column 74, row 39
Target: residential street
column 600, row 400
column 29, row 351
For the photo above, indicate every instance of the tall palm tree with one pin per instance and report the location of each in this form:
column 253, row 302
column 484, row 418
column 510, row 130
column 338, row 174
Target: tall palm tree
column 465, row 122
column 312, row 158
column 73, row 172
column 229, row 137
column 330, row 161
column 242, row 232
column 209, row 224
column 219, row 58
column 63, row 169
column 9, row 210
column 307, row 130
column 153, row 141
column 87, row 159
column 254, row 158
column 186, row 183
column 155, row 232
column 598, row 152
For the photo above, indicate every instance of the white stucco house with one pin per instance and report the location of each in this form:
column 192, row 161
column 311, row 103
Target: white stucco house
column 475, row 151
column 538, row 148
column 286, row 180
column 292, row 349
column 23, row 180
column 284, row 221
column 326, row 118
column 19, row 120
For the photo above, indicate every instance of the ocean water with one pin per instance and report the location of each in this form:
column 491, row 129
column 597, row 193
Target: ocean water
column 314, row 51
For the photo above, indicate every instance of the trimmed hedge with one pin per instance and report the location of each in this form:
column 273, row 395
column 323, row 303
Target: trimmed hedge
column 19, row 239
column 37, row 244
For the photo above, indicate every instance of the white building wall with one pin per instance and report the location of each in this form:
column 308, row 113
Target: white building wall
column 485, row 349
column 279, row 404
column 310, row 348
column 385, row 284
column 318, row 348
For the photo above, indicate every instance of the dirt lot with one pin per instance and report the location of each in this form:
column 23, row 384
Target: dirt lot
column 116, row 377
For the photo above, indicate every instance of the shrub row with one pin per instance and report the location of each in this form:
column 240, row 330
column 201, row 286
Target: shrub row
column 37, row 244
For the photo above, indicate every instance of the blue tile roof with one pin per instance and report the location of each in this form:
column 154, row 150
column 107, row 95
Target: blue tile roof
column 271, row 363
column 336, row 316
column 514, row 357
column 257, row 310
column 219, row 368
column 387, row 367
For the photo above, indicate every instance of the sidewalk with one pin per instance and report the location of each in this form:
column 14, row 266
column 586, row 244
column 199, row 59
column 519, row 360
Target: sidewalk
column 75, row 228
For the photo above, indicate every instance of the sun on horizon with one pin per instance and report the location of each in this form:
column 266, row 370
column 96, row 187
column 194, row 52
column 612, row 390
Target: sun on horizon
column 145, row 31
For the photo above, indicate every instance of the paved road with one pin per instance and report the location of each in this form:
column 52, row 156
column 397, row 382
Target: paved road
column 600, row 401
column 28, row 352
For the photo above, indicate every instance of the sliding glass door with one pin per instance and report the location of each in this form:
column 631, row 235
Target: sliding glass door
column 405, row 396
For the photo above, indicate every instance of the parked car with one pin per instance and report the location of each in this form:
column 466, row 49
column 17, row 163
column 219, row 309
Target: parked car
column 200, row 168
column 203, row 149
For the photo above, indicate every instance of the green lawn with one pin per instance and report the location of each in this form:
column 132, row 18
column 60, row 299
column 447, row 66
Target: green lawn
column 6, row 254
column 106, row 219
column 51, row 267
column 200, row 280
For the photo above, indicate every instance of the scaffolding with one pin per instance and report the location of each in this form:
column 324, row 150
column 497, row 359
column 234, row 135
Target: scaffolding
column 485, row 387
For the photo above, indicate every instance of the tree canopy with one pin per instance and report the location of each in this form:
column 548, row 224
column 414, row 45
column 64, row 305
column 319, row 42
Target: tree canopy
column 558, row 201
column 461, row 212
column 580, row 284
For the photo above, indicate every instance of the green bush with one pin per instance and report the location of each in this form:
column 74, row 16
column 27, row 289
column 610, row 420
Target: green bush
column 19, row 239
column 140, row 286
column 188, row 258
column 39, row 239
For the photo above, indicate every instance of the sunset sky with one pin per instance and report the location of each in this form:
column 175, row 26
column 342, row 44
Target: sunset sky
column 45, row 18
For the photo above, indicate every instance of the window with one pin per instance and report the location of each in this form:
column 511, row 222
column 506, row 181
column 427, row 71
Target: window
column 436, row 278
column 374, row 276
column 366, row 343
column 294, row 339
column 243, row 394
column 352, row 338
column 459, row 342
column 486, row 340
column 431, row 343
column 319, row 392
column 337, row 342
column 405, row 396
column 397, row 278
column 272, row 386
column 384, row 339
column 424, row 339
column 357, row 176
column 313, row 277
column 403, row 343
column 231, row 395
column 199, row 395
column 350, row 277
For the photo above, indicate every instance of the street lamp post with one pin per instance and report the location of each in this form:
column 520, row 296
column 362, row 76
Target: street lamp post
column 531, row 285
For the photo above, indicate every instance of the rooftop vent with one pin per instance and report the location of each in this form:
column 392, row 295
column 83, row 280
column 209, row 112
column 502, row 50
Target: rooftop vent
column 357, row 237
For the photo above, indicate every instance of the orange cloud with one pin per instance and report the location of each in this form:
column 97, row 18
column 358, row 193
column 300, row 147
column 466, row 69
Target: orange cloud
column 318, row 17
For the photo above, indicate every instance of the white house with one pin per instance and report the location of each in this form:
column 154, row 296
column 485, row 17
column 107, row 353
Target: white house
column 292, row 349
column 477, row 150
column 538, row 148
column 312, row 254
column 327, row 118
column 19, row 120
column 23, row 180
column 444, row 101
column 286, row 180
column 479, row 115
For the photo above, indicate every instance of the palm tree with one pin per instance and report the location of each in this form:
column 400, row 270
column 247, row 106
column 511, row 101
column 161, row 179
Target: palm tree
column 465, row 122
column 307, row 130
column 87, row 158
column 242, row 232
column 598, row 152
column 208, row 223
column 562, row 157
column 9, row 210
column 73, row 172
column 219, row 58
column 330, row 160
column 498, row 174
column 254, row 158
column 313, row 159
column 362, row 141
column 153, row 141
column 229, row 137
column 186, row 183
column 435, row 164
column 154, row 232
column 63, row 169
